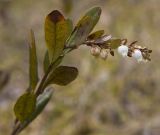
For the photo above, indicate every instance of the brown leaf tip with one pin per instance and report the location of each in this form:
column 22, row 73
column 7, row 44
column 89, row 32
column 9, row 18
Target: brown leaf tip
column 56, row 16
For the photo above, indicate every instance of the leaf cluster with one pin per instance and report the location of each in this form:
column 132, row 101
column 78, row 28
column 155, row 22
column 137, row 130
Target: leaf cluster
column 61, row 38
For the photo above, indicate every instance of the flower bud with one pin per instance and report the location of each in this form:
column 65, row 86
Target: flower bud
column 137, row 54
column 123, row 50
column 103, row 54
column 95, row 51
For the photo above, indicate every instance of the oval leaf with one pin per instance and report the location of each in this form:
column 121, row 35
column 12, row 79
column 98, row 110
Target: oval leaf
column 42, row 101
column 25, row 106
column 33, row 64
column 95, row 35
column 57, row 30
column 114, row 43
column 63, row 75
column 84, row 27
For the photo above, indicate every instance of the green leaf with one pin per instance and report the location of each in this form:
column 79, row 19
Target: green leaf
column 25, row 106
column 46, row 62
column 95, row 35
column 114, row 43
column 42, row 101
column 62, row 75
column 84, row 27
column 33, row 64
column 57, row 30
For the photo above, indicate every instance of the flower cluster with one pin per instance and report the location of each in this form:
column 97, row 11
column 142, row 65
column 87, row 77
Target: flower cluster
column 101, row 52
column 103, row 46
column 135, row 51
column 99, row 48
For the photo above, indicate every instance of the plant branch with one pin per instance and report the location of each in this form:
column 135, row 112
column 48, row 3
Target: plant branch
column 39, row 90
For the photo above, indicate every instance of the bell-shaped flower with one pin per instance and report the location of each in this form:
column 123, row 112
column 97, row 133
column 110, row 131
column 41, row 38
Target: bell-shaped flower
column 137, row 54
column 123, row 50
column 103, row 54
column 95, row 51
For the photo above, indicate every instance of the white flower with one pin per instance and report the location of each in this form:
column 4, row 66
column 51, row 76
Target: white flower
column 103, row 54
column 95, row 51
column 137, row 54
column 123, row 50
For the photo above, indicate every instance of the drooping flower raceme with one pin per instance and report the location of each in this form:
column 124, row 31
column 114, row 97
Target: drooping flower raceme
column 104, row 46
column 123, row 50
column 137, row 54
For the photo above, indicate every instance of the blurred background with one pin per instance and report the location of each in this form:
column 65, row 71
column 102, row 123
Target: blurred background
column 113, row 97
